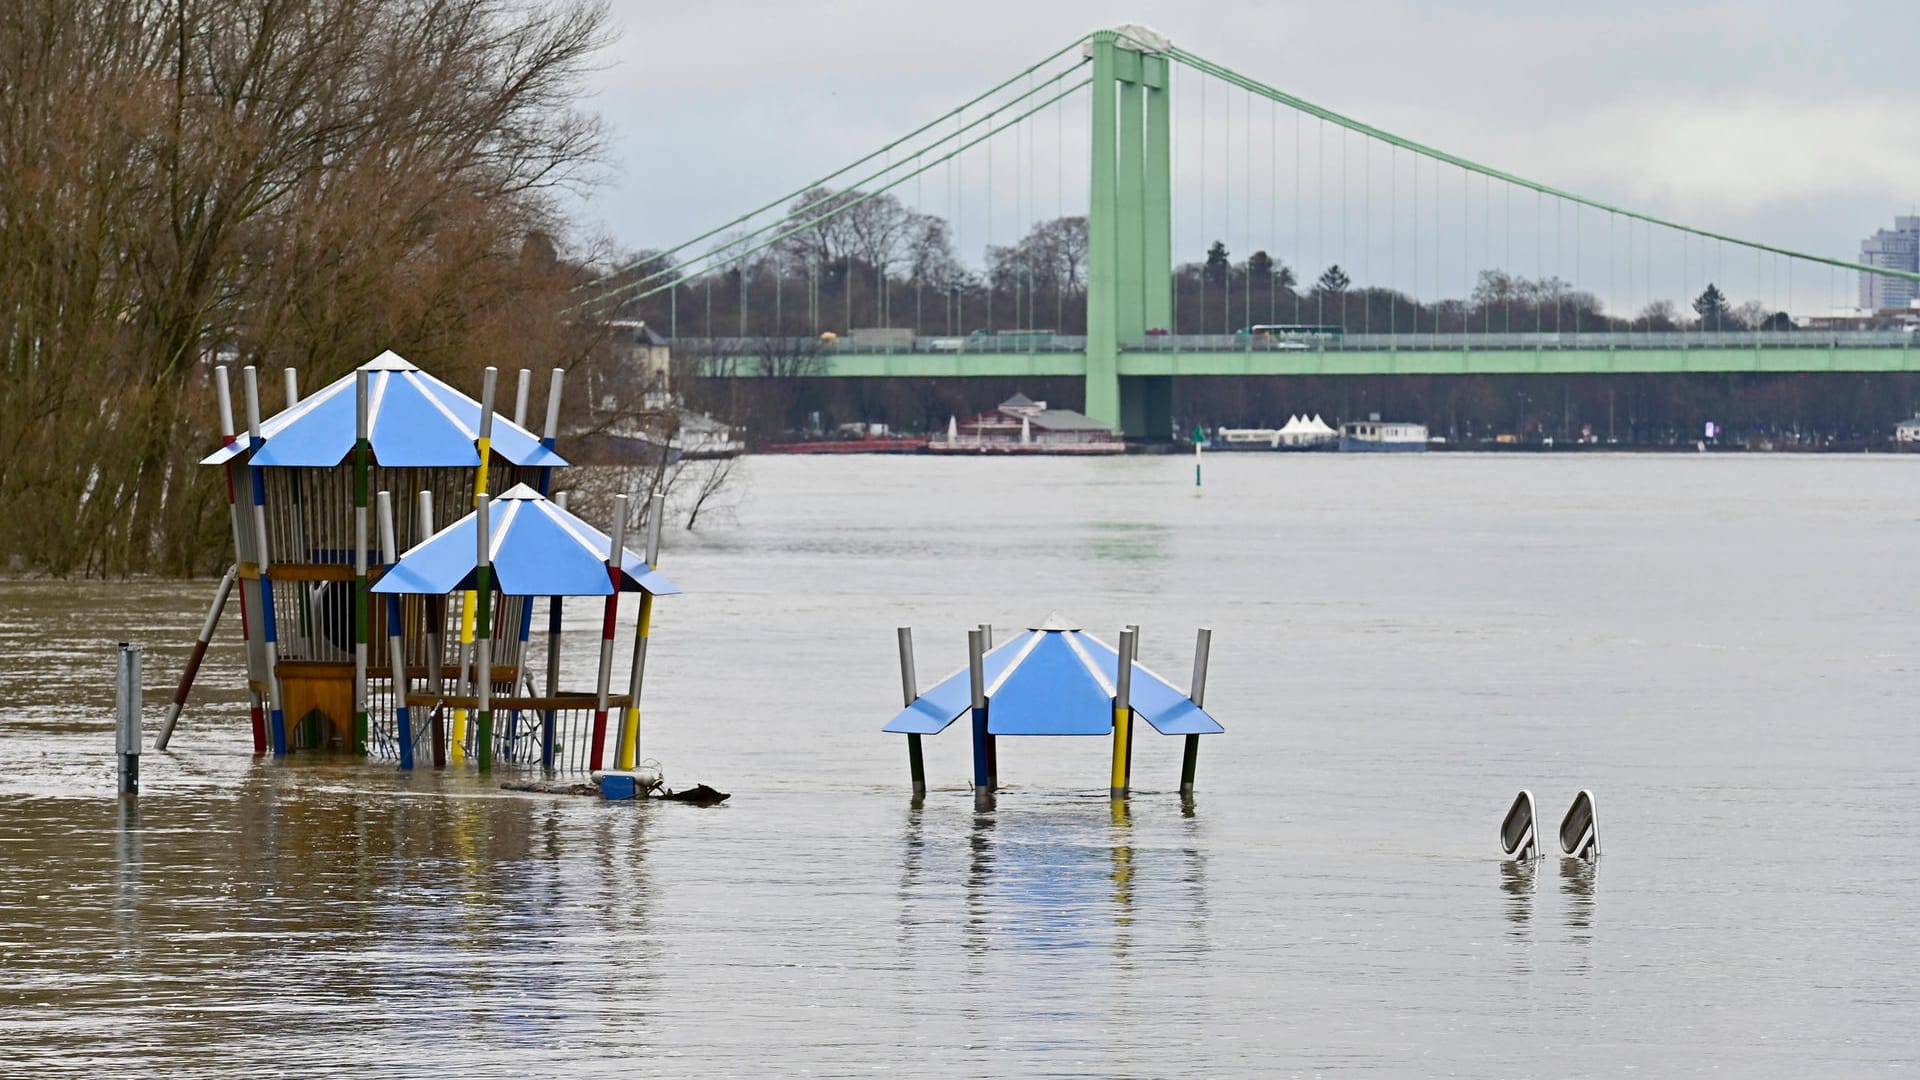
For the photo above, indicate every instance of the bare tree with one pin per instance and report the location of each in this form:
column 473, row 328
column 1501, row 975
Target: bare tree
column 280, row 182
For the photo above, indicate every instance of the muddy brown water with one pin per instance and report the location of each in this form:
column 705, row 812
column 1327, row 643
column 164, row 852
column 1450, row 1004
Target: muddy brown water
column 1722, row 649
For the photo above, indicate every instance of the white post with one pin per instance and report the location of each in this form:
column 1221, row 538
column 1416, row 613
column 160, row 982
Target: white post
column 552, row 430
column 290, row 382
column 127, row 702
column 520, row 398
column 263, row 558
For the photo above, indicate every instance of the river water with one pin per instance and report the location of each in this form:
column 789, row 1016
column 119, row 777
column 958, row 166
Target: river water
column 1723, row 649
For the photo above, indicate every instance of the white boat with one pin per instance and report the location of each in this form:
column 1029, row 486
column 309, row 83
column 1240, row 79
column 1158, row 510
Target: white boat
column 1373, row 436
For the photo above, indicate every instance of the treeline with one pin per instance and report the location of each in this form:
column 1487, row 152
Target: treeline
column 850, row 259
column 284, row 183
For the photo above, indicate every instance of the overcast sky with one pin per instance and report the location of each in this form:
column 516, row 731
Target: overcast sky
column 1790, row 123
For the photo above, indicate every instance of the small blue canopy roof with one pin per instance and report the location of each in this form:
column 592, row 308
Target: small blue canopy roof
column 1055, row 679
column 413, row 420
column 538, row 550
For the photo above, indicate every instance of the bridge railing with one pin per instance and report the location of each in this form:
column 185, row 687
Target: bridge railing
column 1725, row 339
column 1402, row 342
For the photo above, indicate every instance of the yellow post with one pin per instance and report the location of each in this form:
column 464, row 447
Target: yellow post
column 630, row 723
column 469, row 600
column 1122, row 717
column 630, row 726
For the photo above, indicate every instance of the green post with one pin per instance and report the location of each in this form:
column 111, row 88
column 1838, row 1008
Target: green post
column 1103, row 243
column 362, row 456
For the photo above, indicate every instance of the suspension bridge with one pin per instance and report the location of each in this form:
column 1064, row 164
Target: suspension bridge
column 1429, row 270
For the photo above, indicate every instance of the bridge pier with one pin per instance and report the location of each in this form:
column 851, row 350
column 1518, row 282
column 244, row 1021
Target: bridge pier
column 1146, row 406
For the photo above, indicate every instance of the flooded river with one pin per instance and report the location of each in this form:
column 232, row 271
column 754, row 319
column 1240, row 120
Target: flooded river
column 1726, row 650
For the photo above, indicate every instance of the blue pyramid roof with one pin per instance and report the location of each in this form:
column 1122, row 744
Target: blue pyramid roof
column 1054, row 680
column 414, row 420
column 538, row 549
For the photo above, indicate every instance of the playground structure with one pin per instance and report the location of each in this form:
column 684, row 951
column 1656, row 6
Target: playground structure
column 320, row 671
column 506, row 553
column 1055, row 679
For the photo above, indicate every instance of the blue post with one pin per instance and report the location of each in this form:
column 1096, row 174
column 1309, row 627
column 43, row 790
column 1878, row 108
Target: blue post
column 976, row 652
column 398, row 661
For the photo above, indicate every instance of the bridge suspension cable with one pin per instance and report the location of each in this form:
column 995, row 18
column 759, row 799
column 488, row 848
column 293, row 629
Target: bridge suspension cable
column 1218, row 71
column 702, row 265
column 662, row 260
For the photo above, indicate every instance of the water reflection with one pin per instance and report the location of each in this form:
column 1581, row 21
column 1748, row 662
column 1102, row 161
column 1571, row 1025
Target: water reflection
column 1128, row 541
column 1516, row 880
column 307, row 891
column 1576, row 885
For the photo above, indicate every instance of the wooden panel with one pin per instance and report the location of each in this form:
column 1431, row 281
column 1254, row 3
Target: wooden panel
column 320, row 693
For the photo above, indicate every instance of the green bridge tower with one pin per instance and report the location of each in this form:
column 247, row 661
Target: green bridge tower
column 1129, row 230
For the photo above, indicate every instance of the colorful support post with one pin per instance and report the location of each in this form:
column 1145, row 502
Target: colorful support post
column 1199, row 440
column 976, row 670
column 993, row 744
column 909, row 690
column 249, row 571
column 199, row 653
column 1134, row 629
column 643, row 628
column 1190, row 759
column 1123, row 717
column 618, row 535
column 396, row 643
column 552, row 431
column 484, row 445
column 277, row 718
column 549, row 719
column 436, row 613
column 362, row 455
column 483, row 631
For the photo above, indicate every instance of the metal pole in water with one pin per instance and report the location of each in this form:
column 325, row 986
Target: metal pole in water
column 1122, row 717
column 1190, row 759
column 127, row 701
column 199, row 654
column 909, row 690
column 976, row 669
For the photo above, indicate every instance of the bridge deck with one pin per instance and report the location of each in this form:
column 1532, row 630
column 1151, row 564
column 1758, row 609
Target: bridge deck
column 1432, row 356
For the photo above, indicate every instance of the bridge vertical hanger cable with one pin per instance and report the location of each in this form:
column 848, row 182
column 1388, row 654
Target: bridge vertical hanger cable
column 1273, row 208
column 1226, row 212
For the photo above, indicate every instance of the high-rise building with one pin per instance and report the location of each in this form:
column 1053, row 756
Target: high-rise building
column 1897, row 248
